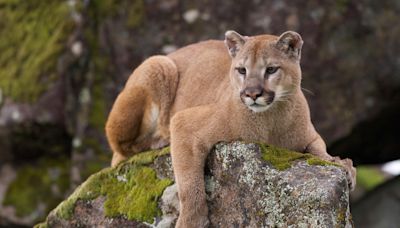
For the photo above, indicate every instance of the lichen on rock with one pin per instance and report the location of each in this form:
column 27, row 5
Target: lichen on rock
column 285, row 189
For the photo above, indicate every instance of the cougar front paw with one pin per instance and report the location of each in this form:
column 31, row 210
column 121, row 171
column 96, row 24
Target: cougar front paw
column 351, row 172
column 195, row 222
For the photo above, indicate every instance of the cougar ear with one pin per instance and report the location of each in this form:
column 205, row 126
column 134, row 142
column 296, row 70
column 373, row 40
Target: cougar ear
column 290, row 43
column 234, row 42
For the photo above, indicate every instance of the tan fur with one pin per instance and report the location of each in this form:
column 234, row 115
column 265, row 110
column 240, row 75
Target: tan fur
column 196, row 97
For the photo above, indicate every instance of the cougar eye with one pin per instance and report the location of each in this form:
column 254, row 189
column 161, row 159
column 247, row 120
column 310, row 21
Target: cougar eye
column 241, row 70
column 271, row 70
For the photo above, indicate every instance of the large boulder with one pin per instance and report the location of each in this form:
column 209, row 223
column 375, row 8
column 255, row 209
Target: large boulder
column 379, row 207
column 248, row 185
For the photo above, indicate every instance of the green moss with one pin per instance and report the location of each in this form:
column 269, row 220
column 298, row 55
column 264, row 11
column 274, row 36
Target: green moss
column 99, row 65
column 341, row 215
column 137, row 198
column 99, row 70
column 90, row 189
column 369, row 177
column 98, row 111
column 135, row 14
column 104, row 8
column 149, row 156
column 41, row 225
column 132, row 189
column 98, row 11
column 282, row 159
column 133, row 11
column 312, row 160
column 33, row 34
column 41, row 183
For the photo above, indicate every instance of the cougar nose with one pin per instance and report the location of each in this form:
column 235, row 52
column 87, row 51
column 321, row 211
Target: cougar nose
column 253, row 92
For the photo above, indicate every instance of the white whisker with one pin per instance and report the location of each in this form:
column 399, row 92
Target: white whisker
column 285, row 94
column 304, row 89
column 308, row 91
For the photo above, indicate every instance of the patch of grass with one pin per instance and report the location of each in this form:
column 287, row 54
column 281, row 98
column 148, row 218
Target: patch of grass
column 41, row 225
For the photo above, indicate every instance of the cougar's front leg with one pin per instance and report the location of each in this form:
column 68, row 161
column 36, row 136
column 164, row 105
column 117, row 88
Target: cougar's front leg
column 188, row 161
column 317, row 147
column 189, row 152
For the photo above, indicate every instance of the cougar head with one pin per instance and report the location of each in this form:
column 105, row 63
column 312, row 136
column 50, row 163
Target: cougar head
column 265, row 69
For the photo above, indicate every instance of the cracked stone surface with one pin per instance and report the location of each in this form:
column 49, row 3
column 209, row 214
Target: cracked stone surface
column 243, row 190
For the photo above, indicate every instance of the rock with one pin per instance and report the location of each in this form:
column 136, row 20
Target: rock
column 29, row 192
column 4, row 222
column 191, row 16
column 247, row 185
column 380, row 207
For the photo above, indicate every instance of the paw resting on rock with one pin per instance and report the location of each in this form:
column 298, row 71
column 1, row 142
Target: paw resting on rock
column 351, row 172
column 200, row 222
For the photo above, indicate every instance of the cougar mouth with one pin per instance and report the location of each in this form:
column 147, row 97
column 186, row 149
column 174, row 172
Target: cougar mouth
column 258, row 107
column 261, row 103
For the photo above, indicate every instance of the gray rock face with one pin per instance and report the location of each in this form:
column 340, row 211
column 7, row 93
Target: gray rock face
column 247, row 192
column 244, row 189
column 91, row 214
column 380, row 207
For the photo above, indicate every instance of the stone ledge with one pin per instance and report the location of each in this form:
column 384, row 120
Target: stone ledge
column 247, row 184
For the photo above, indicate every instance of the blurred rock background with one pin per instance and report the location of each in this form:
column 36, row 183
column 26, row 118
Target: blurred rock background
column 62, row 63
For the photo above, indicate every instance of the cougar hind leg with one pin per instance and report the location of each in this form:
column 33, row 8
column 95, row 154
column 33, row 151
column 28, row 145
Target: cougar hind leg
column 139, row 118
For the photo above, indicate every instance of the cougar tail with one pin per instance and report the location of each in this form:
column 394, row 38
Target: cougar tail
column 139, row 117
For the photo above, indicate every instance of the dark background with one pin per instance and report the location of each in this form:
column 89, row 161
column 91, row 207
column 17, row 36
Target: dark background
column 62, row 63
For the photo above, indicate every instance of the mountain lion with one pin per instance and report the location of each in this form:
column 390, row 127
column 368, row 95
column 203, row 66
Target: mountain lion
column 248, row 89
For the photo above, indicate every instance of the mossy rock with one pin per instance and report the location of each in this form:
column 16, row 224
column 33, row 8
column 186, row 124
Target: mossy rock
column 33, row 35
column 132, row 194
column 282, row 159
column 258, row 185
column 131, row 190
column 41, row 184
